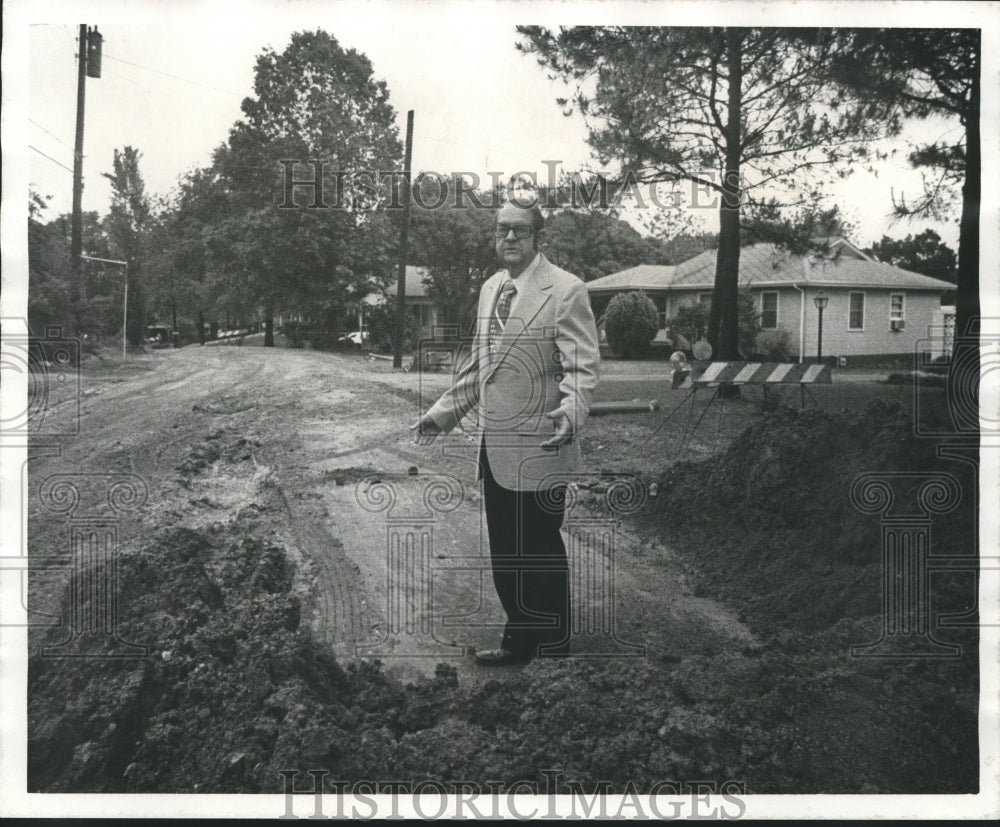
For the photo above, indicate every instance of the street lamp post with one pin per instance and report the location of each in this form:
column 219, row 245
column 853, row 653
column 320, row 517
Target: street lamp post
column 820, row 301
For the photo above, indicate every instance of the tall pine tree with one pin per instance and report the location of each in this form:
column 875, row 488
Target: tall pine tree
column 742, row 112
column 316, row 105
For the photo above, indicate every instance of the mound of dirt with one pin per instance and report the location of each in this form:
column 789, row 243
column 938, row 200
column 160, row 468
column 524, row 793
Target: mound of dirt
column 238, row 687
column 770, row 525
column 222, row 623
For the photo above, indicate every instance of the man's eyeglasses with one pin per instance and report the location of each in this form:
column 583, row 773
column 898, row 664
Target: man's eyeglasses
column 521, row 231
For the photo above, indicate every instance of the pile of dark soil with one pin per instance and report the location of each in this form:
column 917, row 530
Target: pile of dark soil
column 238, row 688
column 771, row 528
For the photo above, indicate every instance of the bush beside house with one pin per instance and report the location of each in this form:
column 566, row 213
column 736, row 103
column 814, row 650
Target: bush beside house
column 773, row 345
column 631, row 323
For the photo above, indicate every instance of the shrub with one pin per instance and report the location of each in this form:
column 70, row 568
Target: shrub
column 295, row 332
column 630, row 323
column 380, row 328
column 324, row 339
column 749, row 322
column 774, row 345
column 690, row 322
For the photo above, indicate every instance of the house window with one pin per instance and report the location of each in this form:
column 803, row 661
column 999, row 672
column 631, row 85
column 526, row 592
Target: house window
column 897, row 307
column 705, row 299
column 769, row 310
column 856, row 312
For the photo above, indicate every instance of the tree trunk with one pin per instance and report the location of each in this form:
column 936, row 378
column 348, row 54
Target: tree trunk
column 724, row 316
column 136, row 330
column 201, row 328
column 715, row 310
column 963, row 378
column 269, row 330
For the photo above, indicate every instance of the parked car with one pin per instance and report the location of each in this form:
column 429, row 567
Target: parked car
column 158, row 336
column 357, row 338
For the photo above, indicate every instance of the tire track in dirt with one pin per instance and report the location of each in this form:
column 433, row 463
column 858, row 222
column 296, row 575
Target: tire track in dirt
column 276, row 384
column 256, row 441
column 303, row 394
column 367, row 429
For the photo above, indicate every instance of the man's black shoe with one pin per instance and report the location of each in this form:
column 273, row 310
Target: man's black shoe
column 499, row 657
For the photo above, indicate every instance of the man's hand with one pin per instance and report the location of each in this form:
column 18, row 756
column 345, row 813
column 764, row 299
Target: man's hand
column 564, row 430
column 427, row 430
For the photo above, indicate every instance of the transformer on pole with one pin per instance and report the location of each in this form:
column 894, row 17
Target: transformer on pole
column 94, row 41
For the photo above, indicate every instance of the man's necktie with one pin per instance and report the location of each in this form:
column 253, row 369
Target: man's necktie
column 501, row 313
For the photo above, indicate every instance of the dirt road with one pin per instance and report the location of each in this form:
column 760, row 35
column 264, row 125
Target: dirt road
column 273, row 543
column 312, row 451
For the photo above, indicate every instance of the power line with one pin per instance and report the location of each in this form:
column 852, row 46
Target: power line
column 130, row 79
column 135, row 82
column 174, row 77
column 51, row 134
column 53, row 160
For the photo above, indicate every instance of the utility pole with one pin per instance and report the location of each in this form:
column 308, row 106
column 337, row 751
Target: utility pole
column 397, row 330
column 89, row 64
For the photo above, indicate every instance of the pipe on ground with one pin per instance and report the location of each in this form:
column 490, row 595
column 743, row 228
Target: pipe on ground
column 628, row 406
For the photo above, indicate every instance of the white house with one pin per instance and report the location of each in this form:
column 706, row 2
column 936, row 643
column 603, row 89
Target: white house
column 872, row 310
column 418, row 302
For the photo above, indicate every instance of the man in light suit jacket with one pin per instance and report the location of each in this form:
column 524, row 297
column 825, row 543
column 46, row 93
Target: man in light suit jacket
column 528, row 381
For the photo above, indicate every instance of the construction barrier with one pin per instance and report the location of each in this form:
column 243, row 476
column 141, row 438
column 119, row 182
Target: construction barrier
column 712, row 374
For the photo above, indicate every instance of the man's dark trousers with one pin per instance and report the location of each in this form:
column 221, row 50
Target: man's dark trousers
column 530, row 571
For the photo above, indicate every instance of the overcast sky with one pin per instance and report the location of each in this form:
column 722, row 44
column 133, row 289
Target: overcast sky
column 175, row 73
column 174, row 92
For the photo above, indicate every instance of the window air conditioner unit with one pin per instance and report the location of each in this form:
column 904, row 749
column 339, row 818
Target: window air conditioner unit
column 897, row 325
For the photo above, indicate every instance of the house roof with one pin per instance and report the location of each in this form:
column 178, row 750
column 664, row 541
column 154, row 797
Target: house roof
column 766, row 265
column 415, row 287
column 415, row 281
column 641, row 277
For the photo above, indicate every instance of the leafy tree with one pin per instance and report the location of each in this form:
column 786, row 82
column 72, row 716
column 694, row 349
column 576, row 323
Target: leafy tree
column 683, row 247
column 381, row 326
column 630, row 322
column 735, row 111
column 52, row 299
column 454, row 242
column 49, row 276
column 181, row 277
column 593, row 244
column 808, row 229
column 314, row 102
column 924, row 253
column 126, row 225
column 586, row 235
column 58, row 293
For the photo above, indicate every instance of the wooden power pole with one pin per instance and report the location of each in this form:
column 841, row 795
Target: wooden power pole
column 76, row 231
column 89, row 64
column 397, row 330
